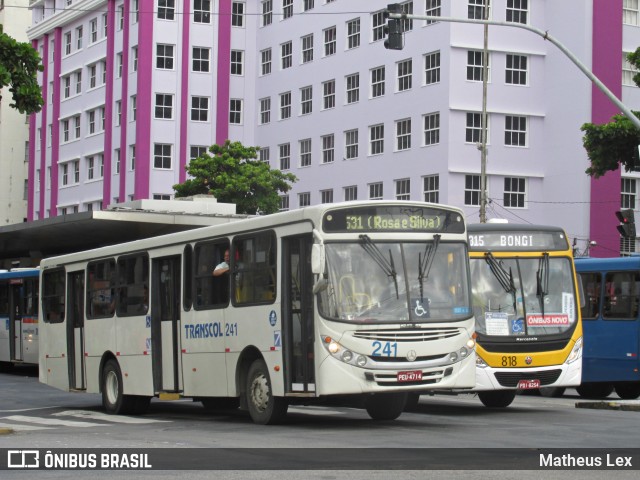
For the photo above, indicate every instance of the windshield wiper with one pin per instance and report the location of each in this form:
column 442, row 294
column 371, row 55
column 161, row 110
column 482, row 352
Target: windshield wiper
column 505, row 279
column 424, row 263
column 542, row 280
column 387, row 266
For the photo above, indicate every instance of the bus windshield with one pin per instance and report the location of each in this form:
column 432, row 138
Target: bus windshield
column 385, row 282
column 523, row 296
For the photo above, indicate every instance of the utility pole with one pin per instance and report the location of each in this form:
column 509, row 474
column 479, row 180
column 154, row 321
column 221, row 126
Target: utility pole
column 484, row 118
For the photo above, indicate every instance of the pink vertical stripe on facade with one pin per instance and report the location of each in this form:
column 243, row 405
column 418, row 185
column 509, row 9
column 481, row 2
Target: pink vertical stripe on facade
column 55, row 119
column 31, row 175
column 224, row 70
column 43, row 125
column 108, row 104
column 605, row 191
column 184, row 92
column 143, row 116
column 124, row 104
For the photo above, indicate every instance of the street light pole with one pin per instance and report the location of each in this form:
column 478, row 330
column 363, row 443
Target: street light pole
column 484, row 119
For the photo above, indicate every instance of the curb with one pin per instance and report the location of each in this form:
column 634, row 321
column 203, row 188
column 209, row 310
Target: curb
column 6, row 431
column 627, row 407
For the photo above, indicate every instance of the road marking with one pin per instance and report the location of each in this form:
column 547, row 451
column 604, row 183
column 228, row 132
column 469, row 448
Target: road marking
column 19, row 428
column 51, row 421
column 315, row 411
column 106, row 417
column 26, row 409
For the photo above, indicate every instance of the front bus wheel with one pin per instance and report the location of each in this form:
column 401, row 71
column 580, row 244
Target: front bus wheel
column 264, row 408
column 497, row 398
column 385, row 406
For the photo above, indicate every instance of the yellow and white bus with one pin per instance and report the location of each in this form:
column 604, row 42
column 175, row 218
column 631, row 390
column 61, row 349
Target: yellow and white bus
column 370, row 299
column 526, row 303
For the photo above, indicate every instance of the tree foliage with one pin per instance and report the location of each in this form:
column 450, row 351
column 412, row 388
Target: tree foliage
column 233, row 175
column 613, row 144
column 19, row 67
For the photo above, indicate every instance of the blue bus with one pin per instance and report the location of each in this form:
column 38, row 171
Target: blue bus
column 611, row 324
column 19, row 317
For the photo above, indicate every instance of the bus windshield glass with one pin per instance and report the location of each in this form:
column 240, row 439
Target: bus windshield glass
column 523, row 296
column 384, row 282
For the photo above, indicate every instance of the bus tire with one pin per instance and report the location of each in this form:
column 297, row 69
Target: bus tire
column 497, row 398
column 385, row 406
column 628, row 390
column 551, row 392
column 113, row 400
column 595, row 391
column 220, row 403
column 264, row 408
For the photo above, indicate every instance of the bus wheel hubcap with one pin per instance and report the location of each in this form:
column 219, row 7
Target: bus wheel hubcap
column 260, row 392
column 111, row 385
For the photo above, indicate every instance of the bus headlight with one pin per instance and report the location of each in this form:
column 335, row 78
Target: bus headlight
column 345, row 355
column 576, row 352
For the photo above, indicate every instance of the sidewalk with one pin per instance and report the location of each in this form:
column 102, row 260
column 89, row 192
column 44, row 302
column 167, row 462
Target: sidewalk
column 625, row 405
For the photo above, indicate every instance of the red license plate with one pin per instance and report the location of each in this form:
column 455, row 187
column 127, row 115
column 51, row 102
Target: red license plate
column 412, row 376
column 528, row 384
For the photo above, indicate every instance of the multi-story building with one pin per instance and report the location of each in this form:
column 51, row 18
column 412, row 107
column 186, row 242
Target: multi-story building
column 15, row 18
column 135, row 89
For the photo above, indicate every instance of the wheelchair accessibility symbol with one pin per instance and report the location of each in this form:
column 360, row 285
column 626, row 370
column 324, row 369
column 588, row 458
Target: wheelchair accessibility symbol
column 419, row 310
column 517, row 325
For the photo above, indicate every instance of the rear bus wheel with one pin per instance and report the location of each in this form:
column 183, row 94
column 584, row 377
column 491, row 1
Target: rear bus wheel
column 113, row 400
column 595, row 391
column 497, row 398
column 628, row 390
column 264, row 408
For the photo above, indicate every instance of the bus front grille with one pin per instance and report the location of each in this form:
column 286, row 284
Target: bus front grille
column 511, row 379
column 408, row 335
column 391, row 379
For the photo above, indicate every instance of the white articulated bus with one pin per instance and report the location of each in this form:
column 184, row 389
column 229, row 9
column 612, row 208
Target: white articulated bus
column 370, row 299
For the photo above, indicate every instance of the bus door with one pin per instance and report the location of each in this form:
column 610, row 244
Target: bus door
column 75, row 330
column 297, row 312
column 15, row 320
column 165, row 319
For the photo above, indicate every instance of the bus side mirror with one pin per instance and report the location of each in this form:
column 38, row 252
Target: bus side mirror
column 317, row 259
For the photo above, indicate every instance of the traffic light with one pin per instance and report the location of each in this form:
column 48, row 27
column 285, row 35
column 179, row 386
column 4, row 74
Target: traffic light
column 628, row 227
column 393, row 28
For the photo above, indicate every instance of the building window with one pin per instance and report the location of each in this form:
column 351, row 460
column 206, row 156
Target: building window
column 305, row 152
column 403, row 134
column 476, row 9
column 515, row 131
column 285, row 105
column 433, row 8
column 76, row 171
column 134, row 107
column 287, row 9
column 202, row 11
column 79, row 82
column 161, row 196
column 285, row 156
column 375, row 191
column 514, row 192
column 353, row 33
column 407, row 23
column 65, row 130
column 284, row 203
column 236, row 62
column 93, row 27
column 405, row 75
column 432, row 68
column 432, row 128
column 351, row 193
column 351, row 144
column 65, row 174
column 403, row 189
column 628, row 71
column 132, row 156
column 377, row 82
column 475, row 66
column 326, row 196
column 353, row 88
column 164, row 106
column 431, row 187
column 66, row 81
column 79, row 38
column 267, row 12
column 328, row 148
column 474, row 128
column 76, row 125
column 197, row 151
column 330, row 41
column 119, row 65
column 162, row 156
column 628, row 193
column 200, row 59
column 135, row 10
column 266, row 61
column 67, row 43
column 376, row 139
column 265, row 110
column 304, row 199
column 329, row 94
column 134, row 58
column 287, row 55
column 630, row 12
column 200, row 109
column 92, row 122
column 307, row 5
column 516, row 69
column 103, row 66
column 164, row 56
column 120, row 17
column 235, row 111
column 264, row 154
column 378, row 22
column 90, row 168
column 166, row 9
column 237, row 14
column 307, row 48
column 517, row 11
column 472, row 190
column 93, row 74
column 116, row 153
column 306, row 100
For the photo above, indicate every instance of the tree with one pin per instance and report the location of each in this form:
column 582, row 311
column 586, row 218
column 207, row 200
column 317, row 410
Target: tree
column 615, row 143
column 19, row 67
column 233, row 175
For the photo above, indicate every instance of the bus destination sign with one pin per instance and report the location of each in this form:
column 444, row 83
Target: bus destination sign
column 517, row 240
column 392, row 219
